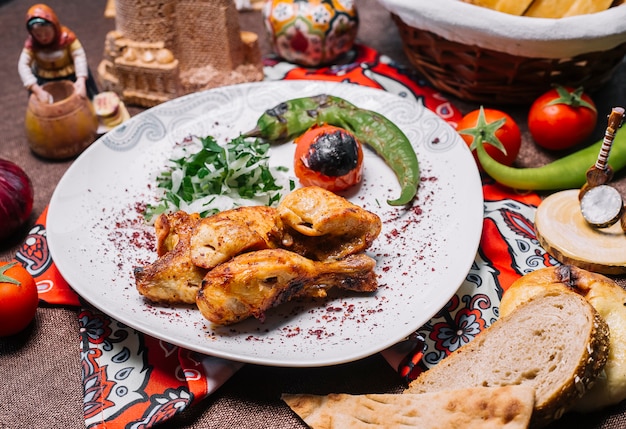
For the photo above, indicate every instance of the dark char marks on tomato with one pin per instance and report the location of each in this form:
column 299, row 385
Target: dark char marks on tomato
column 333, row 154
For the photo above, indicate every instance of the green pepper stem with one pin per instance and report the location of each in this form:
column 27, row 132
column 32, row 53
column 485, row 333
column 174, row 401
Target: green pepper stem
column 254, row 132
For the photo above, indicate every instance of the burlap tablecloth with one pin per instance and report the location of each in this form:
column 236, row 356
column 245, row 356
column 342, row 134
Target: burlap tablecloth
column 40, row 369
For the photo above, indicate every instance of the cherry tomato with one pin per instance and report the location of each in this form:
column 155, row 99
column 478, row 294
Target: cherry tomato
column 18, row 298
column 329, row 157
column 562, row 118
column 496, row 129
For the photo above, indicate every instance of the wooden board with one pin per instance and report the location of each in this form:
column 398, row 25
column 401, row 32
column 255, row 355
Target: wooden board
column 564, row 233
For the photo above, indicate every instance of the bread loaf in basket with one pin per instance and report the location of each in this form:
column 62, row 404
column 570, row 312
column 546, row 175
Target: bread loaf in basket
column 482, row 55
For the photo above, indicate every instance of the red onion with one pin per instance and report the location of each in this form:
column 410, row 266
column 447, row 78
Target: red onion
column 16, row 198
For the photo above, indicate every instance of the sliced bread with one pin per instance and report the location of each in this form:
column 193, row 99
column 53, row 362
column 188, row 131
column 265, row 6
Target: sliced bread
column 555, row 342
column 608, row 298
column 507, row 407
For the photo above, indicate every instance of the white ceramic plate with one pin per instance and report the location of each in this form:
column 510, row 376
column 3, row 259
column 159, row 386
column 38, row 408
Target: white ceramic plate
column 423, row 254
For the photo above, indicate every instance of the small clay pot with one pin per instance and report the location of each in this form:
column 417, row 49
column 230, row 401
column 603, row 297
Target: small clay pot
column 61, row 129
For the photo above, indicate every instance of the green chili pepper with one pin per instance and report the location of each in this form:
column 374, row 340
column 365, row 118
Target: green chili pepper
column 293, row 117
column 568, row 172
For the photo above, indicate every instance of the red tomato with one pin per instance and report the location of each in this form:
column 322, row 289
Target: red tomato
column 18, row 298
column 491, row 131
column 562, row 118
column 329, row 157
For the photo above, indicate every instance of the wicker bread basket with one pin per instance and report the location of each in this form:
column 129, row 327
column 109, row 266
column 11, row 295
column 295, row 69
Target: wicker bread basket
column 481, row 55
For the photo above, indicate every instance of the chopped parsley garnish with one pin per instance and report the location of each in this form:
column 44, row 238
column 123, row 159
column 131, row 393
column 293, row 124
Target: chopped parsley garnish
column 216, row 178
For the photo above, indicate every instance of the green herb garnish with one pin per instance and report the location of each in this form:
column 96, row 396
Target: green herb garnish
column 217, row 178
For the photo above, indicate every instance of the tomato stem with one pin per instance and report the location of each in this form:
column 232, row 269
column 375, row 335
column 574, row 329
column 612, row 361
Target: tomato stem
column 571, row 98
column 6, row 279
column 485, row 132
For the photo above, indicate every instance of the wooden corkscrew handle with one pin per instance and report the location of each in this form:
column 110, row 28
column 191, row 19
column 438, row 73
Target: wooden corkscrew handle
column 601, row 172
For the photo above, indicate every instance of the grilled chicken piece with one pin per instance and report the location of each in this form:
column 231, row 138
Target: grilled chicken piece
column 311, row 222
column 172, row 278
column 168, row 228
column 218, row 238
column 188, row 246
column 322, row 225
column 251, row 283
column 262, row 219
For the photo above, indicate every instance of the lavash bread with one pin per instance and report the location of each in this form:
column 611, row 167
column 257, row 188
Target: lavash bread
column 564, row 8
column 555, row 342
column 546, row 8
column 609, row 299
column 507, row 407
column 513, row 7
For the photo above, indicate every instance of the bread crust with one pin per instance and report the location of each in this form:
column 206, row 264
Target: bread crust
column 476, row 363
column 608, row 298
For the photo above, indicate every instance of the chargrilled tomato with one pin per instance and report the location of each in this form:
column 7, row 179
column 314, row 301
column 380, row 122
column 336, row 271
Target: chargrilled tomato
column 329, row 157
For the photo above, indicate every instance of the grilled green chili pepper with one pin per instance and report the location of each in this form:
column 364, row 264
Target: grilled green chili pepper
column 293, row 117
column 568, row 172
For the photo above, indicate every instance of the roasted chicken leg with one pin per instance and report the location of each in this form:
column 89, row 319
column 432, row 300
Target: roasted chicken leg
column 189, row 246
column 322, row 225
column 173, row 278
column 218, row 238
column 251, row 283
column 169, row 228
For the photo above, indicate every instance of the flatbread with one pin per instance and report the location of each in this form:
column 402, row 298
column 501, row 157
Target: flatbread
column 508, row 407
column 609, row 300
column 513, row 7
column 563, row 8
column 582, row 7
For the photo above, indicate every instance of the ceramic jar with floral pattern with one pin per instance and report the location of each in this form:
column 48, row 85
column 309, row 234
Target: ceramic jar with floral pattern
column 311, row 32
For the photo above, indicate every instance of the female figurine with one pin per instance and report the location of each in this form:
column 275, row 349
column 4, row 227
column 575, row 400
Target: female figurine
column 52, row 52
